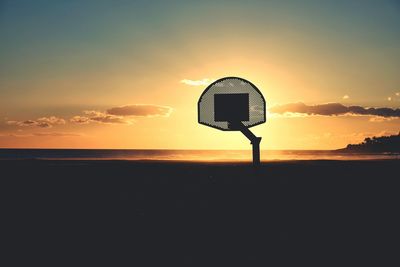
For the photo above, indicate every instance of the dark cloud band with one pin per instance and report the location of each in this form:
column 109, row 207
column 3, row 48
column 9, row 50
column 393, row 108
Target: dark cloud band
column 333, row 109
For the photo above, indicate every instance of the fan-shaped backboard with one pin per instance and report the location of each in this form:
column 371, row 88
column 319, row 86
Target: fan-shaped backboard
column 231, row 99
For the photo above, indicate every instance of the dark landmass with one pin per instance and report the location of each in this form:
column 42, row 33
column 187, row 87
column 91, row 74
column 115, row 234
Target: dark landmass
column 117, row 213
column 375, row 145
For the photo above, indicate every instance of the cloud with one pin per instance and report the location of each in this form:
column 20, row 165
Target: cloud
column 80, row 119
column 381, row 119
column 333, row 109
column 51, row 120
column 398, row 94
column 100, row 117
column 204, row 81
column 43, row 134
column 346, row 97
column 141, row 110
column 43, row 122
column 123, row 114
column 103, row 117
column 23, row 123
column 57, row 134
column 389, row 98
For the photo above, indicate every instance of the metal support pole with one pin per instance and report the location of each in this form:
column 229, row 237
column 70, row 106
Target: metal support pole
column 254, row 140
column 256, row 150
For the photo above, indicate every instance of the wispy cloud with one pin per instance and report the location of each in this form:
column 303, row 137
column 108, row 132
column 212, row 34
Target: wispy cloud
column 382, row 119
column 100, row 117
column 346, row 97
column 43, row 134
column 140, row 110
column 80, row 119
column 201, row 82
column 43, row 122
column 122, row 114
column 58, row 134
column 333, row 109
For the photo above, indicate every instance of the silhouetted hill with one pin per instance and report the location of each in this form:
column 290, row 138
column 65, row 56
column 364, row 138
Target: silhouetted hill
column 376, row 144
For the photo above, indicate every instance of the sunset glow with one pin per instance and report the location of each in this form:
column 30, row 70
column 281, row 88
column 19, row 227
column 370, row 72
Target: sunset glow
column 129, row 75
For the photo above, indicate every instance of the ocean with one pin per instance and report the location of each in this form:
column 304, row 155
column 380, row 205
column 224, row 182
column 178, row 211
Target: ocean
column 186, row 155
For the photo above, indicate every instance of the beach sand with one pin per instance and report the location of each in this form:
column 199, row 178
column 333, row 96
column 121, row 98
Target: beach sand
column 149, row 213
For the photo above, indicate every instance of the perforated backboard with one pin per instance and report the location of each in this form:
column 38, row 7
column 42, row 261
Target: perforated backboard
column 231, row 99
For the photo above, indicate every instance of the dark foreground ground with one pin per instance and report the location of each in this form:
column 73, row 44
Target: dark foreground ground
column 118, row 213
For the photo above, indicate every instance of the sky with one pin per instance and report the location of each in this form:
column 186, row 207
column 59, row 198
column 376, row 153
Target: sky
column 128, row 74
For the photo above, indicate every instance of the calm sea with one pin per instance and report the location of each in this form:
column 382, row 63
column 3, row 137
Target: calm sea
column 185, row 155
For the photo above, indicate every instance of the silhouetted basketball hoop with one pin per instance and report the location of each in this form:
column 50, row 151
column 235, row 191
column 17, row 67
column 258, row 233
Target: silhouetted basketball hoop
column 233, row 104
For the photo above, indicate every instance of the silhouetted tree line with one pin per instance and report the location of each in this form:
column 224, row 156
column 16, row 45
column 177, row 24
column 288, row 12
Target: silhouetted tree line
column 376, row 144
